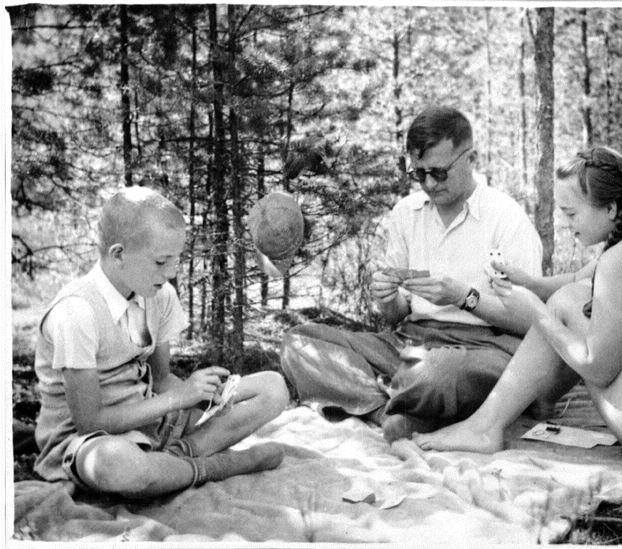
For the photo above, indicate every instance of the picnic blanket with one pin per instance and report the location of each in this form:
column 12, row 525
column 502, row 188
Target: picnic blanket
column 523, row 495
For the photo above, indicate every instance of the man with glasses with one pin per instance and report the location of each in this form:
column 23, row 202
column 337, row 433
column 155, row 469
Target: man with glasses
column 452, row 337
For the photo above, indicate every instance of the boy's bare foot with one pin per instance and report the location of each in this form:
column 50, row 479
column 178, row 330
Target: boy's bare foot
column 465, row 436
column 396, row 426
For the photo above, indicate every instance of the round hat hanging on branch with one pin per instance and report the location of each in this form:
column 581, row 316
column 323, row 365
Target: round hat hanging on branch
column 277, row 229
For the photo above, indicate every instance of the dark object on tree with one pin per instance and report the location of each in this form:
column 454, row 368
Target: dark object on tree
column 310, row 154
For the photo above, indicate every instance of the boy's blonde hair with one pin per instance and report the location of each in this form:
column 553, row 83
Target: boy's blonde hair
column 128, row 217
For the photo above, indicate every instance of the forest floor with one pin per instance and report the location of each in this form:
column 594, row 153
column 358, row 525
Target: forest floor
column 263, row 334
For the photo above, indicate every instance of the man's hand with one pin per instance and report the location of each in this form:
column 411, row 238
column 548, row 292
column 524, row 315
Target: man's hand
column 440, row 291
column 384, row 286
column 202, row 385
column 520, row 303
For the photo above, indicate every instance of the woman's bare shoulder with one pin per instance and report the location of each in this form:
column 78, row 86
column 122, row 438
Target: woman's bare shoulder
column 610, row 264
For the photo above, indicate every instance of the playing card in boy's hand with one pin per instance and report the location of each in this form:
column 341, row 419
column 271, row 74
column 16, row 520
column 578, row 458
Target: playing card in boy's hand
column 228, row 391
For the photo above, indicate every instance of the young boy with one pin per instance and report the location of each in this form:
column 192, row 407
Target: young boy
column 113, row 417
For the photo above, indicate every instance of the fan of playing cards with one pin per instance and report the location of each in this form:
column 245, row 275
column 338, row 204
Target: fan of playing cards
column 228, row 391
column 405, row 274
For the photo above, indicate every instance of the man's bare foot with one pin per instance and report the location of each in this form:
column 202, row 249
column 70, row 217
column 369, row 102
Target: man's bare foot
column 465, row 436
column 396, row 426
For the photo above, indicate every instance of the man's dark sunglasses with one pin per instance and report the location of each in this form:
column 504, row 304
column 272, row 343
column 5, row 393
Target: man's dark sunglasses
column 438, row 174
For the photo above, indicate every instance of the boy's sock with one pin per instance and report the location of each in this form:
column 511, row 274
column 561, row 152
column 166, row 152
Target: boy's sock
column 229, row 463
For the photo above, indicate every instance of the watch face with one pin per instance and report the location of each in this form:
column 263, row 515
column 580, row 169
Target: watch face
column 471, row 300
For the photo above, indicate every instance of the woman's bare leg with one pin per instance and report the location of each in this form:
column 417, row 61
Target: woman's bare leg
column 534, row 370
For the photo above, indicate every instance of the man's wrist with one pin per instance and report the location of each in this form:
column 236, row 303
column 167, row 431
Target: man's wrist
column 471, row 300
column 462, row 297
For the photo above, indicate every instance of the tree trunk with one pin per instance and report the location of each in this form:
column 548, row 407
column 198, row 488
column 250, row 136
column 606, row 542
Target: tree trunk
column 397, row 97
column 261, row 191
column 191, row 181
column 586, row 109
column 239, row 253
column 126, row 114
column 208, row 252
column 545, row 95
column 609, row 77
column 523, row 109
column 221, row 223
column 288, row 137
column 135, row 116
column 488, row 99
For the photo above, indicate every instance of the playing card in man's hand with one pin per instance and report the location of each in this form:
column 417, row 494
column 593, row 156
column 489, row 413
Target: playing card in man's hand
column 405, row 274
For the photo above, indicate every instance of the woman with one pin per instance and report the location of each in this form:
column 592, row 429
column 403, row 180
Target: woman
column 577, row 333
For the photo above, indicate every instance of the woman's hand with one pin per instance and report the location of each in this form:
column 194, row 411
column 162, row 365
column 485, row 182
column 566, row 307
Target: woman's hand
column 515, row 274
column 202, row 385
column 520, row 302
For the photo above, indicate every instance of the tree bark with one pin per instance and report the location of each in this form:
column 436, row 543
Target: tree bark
column 288, row 137
column 523, row 108
column 191, row 181
column 397, row 97
column 586, row 109
column 609, row 77
column 488, row 99
column 208, row 252
column 239, row 252
column 545, row 96
column 220, row 289
column 126, row 115
column 261, row 191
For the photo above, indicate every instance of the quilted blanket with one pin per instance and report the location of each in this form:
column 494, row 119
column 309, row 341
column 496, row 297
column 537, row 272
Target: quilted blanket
column 342, row 482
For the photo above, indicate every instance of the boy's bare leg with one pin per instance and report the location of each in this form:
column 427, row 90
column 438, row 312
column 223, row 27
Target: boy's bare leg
column 534, row 370
column 260, row 398
column 114, row 464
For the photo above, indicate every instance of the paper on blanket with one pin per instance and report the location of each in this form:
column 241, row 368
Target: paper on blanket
column 228, row 391
column 569, row 436
column 392, row 501
column 359, row 493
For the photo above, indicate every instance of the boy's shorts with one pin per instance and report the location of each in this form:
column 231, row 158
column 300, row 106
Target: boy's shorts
column 173, row 426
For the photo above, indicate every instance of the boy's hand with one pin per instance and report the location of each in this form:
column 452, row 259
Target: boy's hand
column 202, row 385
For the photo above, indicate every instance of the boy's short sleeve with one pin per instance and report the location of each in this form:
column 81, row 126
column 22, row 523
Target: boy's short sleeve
column 172, row 316
column 71, row 328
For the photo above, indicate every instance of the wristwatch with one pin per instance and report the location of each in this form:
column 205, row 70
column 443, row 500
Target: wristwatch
column 471, row 300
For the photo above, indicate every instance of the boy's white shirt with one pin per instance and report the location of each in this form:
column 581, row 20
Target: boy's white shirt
column 76, row 343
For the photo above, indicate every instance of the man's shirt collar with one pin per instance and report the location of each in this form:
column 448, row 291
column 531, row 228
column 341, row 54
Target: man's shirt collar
column 473, row 203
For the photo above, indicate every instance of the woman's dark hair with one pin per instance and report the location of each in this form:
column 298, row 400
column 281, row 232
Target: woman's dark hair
column 599, row 173
column 433, row 125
